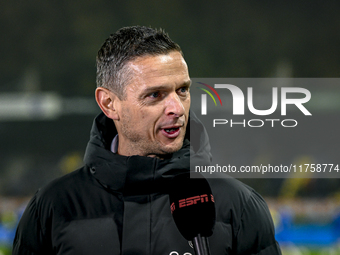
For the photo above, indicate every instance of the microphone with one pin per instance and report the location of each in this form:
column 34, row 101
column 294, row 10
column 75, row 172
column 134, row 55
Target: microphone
column 193, row 209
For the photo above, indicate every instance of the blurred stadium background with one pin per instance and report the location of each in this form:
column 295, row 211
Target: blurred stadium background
column 47, row 80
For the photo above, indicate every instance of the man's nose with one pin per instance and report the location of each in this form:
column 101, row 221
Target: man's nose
column 174, row 106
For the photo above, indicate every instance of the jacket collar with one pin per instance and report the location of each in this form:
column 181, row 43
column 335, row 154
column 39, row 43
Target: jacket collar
column 132, row 175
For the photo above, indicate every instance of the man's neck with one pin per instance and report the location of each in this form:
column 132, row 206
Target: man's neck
column 115, row 149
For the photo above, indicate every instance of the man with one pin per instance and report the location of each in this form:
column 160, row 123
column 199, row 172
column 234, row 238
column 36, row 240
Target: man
column 118, row 202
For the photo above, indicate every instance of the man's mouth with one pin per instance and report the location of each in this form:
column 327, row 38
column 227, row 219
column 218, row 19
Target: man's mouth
column 171, row 132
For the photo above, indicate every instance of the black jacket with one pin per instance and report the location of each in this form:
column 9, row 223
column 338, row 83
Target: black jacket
column 119, row 205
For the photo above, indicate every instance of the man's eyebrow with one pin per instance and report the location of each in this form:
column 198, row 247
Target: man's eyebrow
column 188, row 83
column 165, row 87
column 155, row 88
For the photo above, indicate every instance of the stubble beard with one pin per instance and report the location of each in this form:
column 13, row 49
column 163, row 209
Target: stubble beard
column 140, row 145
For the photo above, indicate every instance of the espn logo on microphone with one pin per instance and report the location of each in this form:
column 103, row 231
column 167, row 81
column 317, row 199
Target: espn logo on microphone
column 192, row 201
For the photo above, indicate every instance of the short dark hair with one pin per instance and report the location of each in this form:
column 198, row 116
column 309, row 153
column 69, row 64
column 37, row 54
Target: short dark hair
column 127, row 44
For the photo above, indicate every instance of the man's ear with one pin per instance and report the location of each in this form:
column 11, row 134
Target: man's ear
column 107, row 101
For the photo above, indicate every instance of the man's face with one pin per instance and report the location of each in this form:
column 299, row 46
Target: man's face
column 154, row 113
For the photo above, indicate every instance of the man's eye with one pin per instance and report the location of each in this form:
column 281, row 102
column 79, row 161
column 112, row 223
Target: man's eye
column 183, row 90
column 155, row 94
